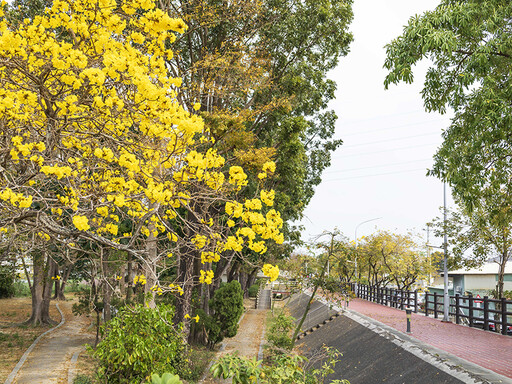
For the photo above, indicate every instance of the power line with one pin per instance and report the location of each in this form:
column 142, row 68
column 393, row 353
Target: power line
column 390, row 115
column 377, row 174
column 388, row 140
column 394, row 127
column 377, row 166
column 385, row 150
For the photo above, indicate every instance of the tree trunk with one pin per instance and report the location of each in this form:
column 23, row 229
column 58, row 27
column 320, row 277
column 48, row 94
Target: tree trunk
column 129, row 278
column 222, row 267
column 107, row 289
column 308, row 306
column 149, row 266
column 185, row 276
column 242, row 279
column 67, row 272
column 41, row 291
column 57, row 289
column 251, row 280
column 233, row 273
column 499, row 288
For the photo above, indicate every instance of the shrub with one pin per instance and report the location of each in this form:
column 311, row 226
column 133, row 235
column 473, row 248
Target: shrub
column 7, row 276
column 21, row 289
column 166, row 378
column 285, row 369
column 278, row 334
column 138, row 342
column 227, row 306
column 82, row 379
column 253, row 290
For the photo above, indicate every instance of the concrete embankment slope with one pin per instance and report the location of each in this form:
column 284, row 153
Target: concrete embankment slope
column 369, row 356
column 318, row 312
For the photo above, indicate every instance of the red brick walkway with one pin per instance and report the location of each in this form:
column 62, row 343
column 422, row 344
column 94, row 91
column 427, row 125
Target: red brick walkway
column 486, row 349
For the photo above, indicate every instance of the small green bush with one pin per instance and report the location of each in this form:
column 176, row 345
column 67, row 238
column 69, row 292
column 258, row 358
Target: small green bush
column 279, row 341
column 166, row 378
column 285, row 369
column 21, row 289
column 7, row 277
column 227, row 306
column 82, row 379
column 138, row 342
column 253, row 290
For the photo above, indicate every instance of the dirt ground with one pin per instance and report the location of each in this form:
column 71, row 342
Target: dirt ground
column 49, row 361
column 14, row 337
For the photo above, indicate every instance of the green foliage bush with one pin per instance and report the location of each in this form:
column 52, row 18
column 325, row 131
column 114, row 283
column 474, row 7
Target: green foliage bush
column 253, row 290
column 227, row 306
column 279, row 334
column 7, row 277
column 21, row 289
column 285, row 369
column 167, row 378
column 82, row 379
column 138, row 342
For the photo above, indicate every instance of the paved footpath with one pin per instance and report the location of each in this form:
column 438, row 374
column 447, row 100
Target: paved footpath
column 51, row 360
column 486, row 349
column 247, row 342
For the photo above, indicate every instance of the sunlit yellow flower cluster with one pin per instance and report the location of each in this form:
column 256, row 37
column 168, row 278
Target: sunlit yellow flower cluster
column 209, row 257
column 206, row 277
column 176, row 288
column 155, row 288
column 16, row 199
column 94, row 123
column 271, row 271
column 196, row 318
column 81, row 223
column 139, row 279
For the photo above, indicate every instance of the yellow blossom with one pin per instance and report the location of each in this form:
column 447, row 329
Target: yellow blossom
column 81, row 223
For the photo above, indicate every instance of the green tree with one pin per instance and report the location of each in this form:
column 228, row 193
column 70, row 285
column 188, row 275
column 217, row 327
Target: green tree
column 266, row 63
column 482, row 235
column 389, row 258
column 470, row 45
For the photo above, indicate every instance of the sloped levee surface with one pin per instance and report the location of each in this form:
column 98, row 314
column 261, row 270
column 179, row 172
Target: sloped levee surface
column 317, row 314
column 370, row 358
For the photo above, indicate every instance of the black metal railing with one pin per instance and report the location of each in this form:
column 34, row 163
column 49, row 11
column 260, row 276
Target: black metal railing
column 395, row 298
column 488, row 314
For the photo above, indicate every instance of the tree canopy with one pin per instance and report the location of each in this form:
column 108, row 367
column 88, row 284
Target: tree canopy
column 470, row 45
column 98, row 154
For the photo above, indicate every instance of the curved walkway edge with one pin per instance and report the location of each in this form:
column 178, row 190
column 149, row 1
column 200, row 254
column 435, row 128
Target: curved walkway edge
column 18, row 366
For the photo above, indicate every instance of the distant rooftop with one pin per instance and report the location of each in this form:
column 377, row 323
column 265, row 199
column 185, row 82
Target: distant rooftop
column 486, row 269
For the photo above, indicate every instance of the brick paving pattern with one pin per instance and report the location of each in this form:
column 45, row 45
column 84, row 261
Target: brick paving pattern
column 486, row 349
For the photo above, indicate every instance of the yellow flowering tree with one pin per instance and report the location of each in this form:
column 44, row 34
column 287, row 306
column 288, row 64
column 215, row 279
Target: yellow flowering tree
column 97, row 150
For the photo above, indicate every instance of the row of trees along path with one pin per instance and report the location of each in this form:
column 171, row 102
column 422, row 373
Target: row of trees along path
column 50, row 360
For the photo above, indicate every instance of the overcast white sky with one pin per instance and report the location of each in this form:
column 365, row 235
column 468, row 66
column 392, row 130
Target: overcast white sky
column 389, row 140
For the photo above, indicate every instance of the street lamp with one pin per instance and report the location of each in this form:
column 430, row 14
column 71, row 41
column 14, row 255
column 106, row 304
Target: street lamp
column 355, row 236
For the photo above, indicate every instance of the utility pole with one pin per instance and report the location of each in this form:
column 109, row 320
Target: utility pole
column 446, row 300
column 428, row 256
